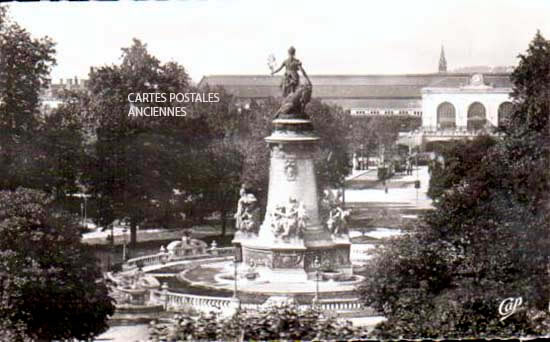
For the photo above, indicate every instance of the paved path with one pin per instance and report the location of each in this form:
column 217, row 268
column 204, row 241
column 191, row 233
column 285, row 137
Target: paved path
column 402, row 196
column 100, row 237
column 125, row 333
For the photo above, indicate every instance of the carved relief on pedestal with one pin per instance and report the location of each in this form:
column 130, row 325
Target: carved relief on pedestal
column 342, row 257
column 286, row 151
column 256, row 258
column 288, row 260
column 291, row 169
column 320, row 255
column 336, row 257
column 277, row 151
column 288, row 221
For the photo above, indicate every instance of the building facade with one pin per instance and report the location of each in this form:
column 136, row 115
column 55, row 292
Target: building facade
column 464, row 108
column 51, row 97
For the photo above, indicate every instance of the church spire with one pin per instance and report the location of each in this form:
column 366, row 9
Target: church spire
column 442, row 61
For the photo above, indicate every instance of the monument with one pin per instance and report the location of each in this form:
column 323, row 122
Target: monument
column 293, row 234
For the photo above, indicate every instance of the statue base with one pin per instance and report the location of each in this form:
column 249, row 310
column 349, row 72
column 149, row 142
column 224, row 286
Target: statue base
column 292, row 245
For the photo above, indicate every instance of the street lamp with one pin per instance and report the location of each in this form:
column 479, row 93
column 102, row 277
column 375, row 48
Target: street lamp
column 236, row 302
column 316, row 266
column 235, row 279
column 362, row 163
column 83, row 206
column 417, row 183
column 85, row 209
column 124, row 242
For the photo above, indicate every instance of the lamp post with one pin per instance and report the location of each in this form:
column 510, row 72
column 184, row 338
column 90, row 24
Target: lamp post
column 362, row 163
column 235, row 279
column 417, row 184
column 85, row 209
column 124, row 241
column 316, row 265
column 83, row 220
column 113, row 246
column 236, row 302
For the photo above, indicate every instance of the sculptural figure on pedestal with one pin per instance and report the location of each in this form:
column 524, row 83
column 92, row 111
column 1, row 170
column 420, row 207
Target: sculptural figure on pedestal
column 248, row 212
column 292, row 232
column 296, row 95
column 333, row 213
column 337, row 221
column 289, row 221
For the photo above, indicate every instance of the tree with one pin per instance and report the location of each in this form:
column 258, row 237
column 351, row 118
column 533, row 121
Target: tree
column 460, row 159
column 332, row 161
column 221, row 182
column 25, row 64
column 50, row 282
column 486, row 240
column 137, row 162
column 531, row 92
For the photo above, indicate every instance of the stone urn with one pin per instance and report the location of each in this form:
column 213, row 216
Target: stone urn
column 136, row 295
column 251, row 275
column 331, row 275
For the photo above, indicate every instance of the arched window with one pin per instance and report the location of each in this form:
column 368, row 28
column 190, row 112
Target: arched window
column 446, row 116
column 477, row 117
column 504, row 112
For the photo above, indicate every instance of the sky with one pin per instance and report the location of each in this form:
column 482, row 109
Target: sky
column 211, row 37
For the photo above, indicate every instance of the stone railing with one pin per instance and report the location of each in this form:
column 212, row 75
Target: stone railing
column 177, row 301
column 350, row 304
column 223, row 251
column 147, row 260
column 458, row 131
column 191, row 249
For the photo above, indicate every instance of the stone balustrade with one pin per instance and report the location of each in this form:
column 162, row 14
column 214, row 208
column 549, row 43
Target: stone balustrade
column 175, row 301
column 350, row 304
column 147, row 260
column 189, row 250
column 458, row 131
column 223, row 251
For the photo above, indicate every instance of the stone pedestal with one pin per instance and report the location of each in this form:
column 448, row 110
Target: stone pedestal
column 292, row 235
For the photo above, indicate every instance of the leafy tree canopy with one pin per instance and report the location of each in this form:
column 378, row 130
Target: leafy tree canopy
column 50, row 282
column 487, row 239
column 25, row 64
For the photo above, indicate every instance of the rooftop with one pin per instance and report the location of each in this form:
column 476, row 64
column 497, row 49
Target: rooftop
column 404, row 86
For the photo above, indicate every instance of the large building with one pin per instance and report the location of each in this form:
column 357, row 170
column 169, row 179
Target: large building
column 451, row 104
column 464, row 107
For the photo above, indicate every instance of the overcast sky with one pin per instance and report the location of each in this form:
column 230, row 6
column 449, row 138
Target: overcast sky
column 331, row 37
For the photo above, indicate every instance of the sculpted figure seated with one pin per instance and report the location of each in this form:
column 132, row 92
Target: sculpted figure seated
column 333, row 213
column 337, row 221
column 247, row 216
column 289, row 221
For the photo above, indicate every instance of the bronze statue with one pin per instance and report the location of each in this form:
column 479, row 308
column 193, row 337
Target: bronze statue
column 296, row 96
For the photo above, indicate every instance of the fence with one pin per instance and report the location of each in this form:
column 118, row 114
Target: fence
column 175, row 301
column 196, row 249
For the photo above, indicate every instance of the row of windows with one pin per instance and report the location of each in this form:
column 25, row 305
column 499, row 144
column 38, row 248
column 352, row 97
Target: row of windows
column 477, row 115
column 385, row 112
